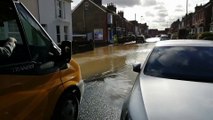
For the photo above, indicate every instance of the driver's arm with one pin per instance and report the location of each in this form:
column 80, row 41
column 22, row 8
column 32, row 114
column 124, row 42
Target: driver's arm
column 8, row 48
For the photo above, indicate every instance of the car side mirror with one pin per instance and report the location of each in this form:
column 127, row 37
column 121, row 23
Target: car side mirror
column 137, row 68
column 66, row 50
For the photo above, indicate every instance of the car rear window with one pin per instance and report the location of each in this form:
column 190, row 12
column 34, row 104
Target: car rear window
column 185, row 63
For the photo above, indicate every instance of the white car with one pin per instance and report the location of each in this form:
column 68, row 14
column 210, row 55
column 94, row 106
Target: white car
column 175, row 83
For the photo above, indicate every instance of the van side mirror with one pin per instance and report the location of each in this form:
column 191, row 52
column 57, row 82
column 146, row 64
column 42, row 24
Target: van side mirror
column 66, row 50
column 137, row 68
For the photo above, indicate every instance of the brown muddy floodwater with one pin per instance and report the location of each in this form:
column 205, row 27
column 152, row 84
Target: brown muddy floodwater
column 108, row 59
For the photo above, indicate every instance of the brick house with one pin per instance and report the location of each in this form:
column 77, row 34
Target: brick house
column 153, row 32
column 188, row 22
column 208, row 15
column 104, row 23
column 201, row 20
column 90, row 17
column 211, row 24
column 144, row 29
column 175, row 26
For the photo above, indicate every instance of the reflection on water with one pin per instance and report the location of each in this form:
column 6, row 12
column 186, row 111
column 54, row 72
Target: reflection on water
column 107, row 59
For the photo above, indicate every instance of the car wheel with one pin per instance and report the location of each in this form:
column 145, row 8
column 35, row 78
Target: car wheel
column 67, row 108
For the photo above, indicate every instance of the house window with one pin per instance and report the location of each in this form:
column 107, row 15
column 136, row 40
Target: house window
column 201, row 29
column 13, row 30
column 10, row 29
column 65, row 33
column 58, row 34
column 60, row 5
column 211, row 28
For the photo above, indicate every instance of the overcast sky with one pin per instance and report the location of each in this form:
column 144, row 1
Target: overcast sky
column 158, row 14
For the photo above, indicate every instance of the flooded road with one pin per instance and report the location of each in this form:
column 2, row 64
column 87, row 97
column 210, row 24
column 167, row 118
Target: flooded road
column 108, row 76
column 110, row 58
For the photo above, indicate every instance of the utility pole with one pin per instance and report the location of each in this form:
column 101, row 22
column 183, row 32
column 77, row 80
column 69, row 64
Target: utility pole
column 186, row 6
column 86, row 4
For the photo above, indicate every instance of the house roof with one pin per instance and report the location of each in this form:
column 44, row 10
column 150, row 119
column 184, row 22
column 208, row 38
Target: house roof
column 109, row 11
column 103, row 8
column 112, row 12
column 82, row 1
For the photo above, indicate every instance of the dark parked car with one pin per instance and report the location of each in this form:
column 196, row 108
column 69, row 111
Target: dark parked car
column 175, row 83
column 131, row 37
column 140, row 39
column 164, row 37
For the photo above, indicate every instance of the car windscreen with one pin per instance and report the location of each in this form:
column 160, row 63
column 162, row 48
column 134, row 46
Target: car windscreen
column 181, row 62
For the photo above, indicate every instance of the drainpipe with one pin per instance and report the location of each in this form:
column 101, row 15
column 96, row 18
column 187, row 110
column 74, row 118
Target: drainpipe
column 38, row 11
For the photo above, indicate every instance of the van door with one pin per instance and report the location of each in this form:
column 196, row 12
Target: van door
column 30, row 78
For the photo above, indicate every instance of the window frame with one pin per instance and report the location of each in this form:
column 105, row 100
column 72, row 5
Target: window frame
column 60, row 9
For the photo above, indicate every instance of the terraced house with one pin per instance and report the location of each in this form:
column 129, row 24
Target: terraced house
column 104, row 23
column 201, row 20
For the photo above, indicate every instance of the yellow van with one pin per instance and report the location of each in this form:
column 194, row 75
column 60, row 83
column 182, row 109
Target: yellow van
column 39, row 80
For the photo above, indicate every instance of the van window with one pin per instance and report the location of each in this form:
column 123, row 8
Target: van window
column 9, row 28
column 39, row 43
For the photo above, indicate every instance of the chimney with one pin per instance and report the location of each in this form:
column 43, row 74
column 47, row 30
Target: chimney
column 121, row 13
column 111, row 7
column 197, row 8
column 98, row 2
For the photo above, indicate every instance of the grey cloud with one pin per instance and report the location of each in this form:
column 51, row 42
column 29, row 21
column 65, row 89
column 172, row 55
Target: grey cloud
column 124, row 3
column 179, row 8
column 161, row 23
column 147, row 3
column 162, row 11
column 149, row 14
column 166, row 24
column 162, row 14
column 159, row 20
column 157, row 7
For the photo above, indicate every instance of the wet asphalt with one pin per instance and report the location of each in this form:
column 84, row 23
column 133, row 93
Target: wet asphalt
column 107, row 72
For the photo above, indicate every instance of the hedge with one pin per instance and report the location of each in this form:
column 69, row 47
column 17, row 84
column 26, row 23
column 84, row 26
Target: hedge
column 206, row 36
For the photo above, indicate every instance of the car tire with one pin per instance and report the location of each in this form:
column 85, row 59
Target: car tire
column 67, row 108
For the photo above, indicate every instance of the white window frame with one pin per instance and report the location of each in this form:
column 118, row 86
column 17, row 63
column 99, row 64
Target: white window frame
column 60, row 9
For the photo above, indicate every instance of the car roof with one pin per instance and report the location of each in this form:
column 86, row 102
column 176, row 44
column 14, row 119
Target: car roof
column 185, row 42
column 154, row 38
